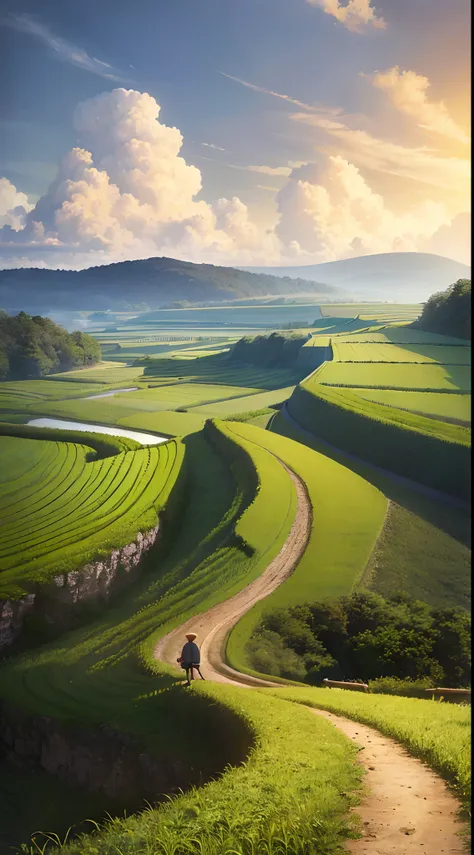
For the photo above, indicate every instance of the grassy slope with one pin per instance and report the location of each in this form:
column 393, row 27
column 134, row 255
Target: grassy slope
column 435, row 404
column 348, row 514
column 452, row 525
column 296, row 787
column 414, row 556
column 438, row 733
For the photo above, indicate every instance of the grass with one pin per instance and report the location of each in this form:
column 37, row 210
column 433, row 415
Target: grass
column 382, row 311
column 244, row 404
column 431, row 516
column 66, row 511
column 291, row 797
column 431, row 404
column 219, row 369
column 105, row 372
column 396, row 376
column 348, row 514
column 414, row 556
column 438, row 733
column 408, row 353
column 165, row 423
column 434, row 453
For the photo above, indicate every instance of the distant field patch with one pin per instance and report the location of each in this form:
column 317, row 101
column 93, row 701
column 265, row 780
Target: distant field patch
column 435, row 404
column 393, row 376
column 165, row 423
column 245, row 404
column 106, row 372
column 379, row 352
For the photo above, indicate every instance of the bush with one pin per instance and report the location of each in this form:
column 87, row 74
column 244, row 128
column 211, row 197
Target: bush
column 396, row 686
column 366, row 637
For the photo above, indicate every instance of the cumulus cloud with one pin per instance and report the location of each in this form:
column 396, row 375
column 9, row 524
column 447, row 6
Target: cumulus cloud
column 407, row 91
column 14, row 205
column 60, row 48
column 453, row 240
column 355, row 14
column 127, row 193
column 331, row 212
column 421, row 163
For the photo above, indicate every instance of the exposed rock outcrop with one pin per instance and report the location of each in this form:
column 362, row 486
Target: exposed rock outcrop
column 96, row 581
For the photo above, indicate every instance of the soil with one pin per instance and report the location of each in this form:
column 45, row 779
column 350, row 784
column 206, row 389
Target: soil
column 407, row 808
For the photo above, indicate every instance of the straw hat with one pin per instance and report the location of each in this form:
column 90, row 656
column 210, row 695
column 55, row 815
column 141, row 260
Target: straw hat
column 191, row 636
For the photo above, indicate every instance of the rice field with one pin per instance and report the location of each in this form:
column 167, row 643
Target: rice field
column 395, row 376
column 244, row 404
column 345, row 351
column 436, row 405
column 65, row 511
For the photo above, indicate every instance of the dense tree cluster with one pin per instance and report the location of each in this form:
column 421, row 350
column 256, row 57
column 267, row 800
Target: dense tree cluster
column 269, row 351
column 449, row 312
column 34, row 346
column 365, row 637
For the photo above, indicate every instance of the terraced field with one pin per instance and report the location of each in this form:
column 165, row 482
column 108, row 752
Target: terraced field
column 63, row 511
column 452, row 407
column 396, row 376
column 386, row 352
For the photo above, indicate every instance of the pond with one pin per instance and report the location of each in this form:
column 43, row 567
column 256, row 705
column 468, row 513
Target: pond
column 63, row 424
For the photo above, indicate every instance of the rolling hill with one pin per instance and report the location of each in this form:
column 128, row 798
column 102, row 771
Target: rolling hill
column 406, row 276
column 144, row 284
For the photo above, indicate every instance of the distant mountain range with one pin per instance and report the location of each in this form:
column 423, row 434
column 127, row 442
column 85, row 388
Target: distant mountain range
column 403, row 276
column 142, row 286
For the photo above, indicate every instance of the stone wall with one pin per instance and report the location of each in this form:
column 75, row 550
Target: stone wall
column 96, row 581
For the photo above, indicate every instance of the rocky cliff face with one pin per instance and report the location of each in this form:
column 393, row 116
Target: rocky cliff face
column 101, row 761
column 97, row 581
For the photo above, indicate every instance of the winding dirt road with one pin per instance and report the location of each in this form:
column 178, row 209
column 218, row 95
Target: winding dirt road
column 408, row 808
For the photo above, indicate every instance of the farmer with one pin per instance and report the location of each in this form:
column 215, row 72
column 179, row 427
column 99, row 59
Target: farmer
column 190, row 657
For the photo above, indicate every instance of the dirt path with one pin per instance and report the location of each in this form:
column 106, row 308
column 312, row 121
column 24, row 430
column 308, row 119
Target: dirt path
column 213, row 626
column 408, row 808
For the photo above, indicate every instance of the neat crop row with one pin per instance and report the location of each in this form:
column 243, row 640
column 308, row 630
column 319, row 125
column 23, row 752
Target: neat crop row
column 83, row 510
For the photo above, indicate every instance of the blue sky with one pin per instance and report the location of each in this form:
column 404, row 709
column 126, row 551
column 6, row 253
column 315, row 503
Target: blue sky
column 57, row 55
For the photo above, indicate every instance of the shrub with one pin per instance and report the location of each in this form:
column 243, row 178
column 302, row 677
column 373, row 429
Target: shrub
column 396, row 686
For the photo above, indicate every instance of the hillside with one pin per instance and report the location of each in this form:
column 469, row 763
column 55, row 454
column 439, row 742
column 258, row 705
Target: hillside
column 408, row 276
column 449, row 312
column 145, row 284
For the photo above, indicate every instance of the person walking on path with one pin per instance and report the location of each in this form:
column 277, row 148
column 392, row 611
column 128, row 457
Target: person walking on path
column 190, row 657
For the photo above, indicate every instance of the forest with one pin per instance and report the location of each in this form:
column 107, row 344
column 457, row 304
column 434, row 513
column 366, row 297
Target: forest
column 33, row 346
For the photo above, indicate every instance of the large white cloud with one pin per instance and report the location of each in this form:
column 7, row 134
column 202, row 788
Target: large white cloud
column 126, row 192
column 333, row 213
column 13, row 205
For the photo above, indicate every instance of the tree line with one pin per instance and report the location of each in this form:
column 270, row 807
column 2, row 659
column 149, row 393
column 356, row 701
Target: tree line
column 448, row 312
column 33, row 346
column 365, row 637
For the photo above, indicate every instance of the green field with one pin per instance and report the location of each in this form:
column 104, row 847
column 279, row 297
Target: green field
column 415, row 556
column 264, row 768
column 435, row 404
column 64, row 512
column 385, row 312
column 244, row 404
column 395, row 376
column 348, row 514
column 381, row 352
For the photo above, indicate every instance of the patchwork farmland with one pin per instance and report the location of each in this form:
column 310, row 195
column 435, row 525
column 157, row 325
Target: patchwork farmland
column 206, row 512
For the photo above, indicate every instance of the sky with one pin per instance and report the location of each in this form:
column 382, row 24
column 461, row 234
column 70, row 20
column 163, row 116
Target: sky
column 244, row 132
